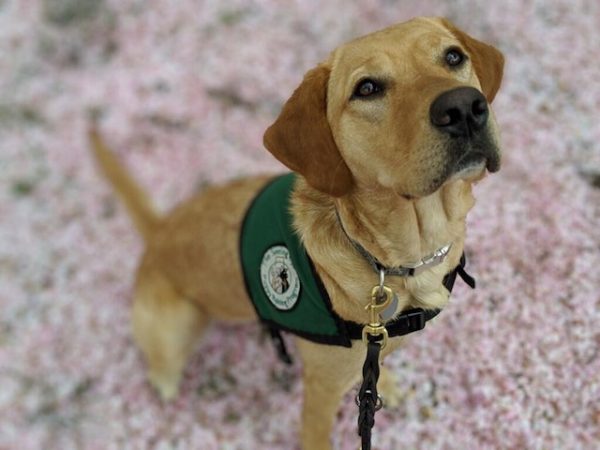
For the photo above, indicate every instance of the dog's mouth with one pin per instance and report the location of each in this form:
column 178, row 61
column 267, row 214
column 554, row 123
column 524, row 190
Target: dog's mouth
column 480, row 155
column 468, row 160
column 472, row 165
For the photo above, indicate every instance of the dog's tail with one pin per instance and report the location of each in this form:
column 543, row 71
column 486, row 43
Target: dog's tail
column 136, row 201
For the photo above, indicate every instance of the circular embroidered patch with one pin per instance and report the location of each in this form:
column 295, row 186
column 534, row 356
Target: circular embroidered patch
column 279, row 278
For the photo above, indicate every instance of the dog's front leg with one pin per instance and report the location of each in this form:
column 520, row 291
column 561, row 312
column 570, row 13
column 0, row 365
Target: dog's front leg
column 328, row 373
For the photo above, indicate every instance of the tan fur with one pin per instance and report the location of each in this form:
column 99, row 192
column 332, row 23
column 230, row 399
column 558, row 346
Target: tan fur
column 376, row 162
column 142, row 213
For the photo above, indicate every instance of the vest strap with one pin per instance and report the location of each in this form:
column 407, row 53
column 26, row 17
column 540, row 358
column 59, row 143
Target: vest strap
column 415, row 319
column 408, row 322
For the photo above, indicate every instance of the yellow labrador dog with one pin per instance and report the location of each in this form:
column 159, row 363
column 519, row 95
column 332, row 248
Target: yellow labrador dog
column 386, row 137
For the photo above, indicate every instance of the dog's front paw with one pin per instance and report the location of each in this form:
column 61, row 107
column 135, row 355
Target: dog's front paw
column 167, row 386
column 389, row 388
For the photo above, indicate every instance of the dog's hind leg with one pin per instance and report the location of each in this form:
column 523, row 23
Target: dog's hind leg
column 166, row 327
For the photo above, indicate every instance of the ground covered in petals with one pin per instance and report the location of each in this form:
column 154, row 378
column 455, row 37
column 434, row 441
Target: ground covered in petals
column 184, row 91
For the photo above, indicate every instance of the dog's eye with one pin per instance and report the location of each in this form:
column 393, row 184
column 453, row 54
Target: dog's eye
column 367, row 88
column 454, row 57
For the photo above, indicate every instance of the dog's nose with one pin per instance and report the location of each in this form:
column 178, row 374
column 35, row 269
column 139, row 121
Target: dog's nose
column 459, row 112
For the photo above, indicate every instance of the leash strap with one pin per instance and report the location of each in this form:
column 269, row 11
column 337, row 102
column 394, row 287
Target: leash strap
column 368, row 400
column 375, row 335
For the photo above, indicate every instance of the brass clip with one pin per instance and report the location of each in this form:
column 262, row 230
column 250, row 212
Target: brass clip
column 381, row 296
column 370, row 330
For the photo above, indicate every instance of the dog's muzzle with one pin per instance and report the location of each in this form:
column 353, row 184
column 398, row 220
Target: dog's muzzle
column 462, row 115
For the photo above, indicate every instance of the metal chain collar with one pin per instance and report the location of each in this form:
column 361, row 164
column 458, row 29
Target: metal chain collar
column 408, row 270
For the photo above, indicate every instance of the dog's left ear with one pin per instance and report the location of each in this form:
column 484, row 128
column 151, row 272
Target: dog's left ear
column 302, row 140
column 487, row 61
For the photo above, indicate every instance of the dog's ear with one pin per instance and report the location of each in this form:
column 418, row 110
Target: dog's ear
column 487, row 61
column 301, row 137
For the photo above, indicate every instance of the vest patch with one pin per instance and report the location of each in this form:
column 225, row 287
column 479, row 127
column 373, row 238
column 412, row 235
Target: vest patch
column 279, row 278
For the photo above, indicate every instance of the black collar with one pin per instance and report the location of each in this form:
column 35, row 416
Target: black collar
column 415, row 319
column 408, row 322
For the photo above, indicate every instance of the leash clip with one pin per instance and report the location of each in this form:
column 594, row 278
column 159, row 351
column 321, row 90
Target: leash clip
column 376, row 331
column 375, row 336
column 381, row 297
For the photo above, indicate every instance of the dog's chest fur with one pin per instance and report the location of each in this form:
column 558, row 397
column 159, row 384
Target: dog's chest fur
column 401, row 234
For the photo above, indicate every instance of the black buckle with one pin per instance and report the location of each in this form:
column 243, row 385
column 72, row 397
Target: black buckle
column 409, row 322
column 415, row 319
column 406, row 323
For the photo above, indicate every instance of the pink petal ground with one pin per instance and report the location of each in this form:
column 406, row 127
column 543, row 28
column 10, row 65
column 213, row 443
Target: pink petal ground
column 184, row 90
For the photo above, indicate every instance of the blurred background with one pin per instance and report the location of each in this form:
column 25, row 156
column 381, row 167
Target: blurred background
column 183, row 91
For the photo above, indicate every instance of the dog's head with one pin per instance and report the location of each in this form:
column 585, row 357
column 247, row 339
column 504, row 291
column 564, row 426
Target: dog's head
column 405, row 108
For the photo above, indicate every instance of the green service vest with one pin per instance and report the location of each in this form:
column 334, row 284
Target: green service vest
column 280, row 278
column 284, row 287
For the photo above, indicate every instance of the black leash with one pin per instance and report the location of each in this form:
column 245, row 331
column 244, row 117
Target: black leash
column 368, row 400
column 375, row 336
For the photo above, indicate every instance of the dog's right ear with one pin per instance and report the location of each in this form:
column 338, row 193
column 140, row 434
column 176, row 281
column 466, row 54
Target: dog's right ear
column 302, row 140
